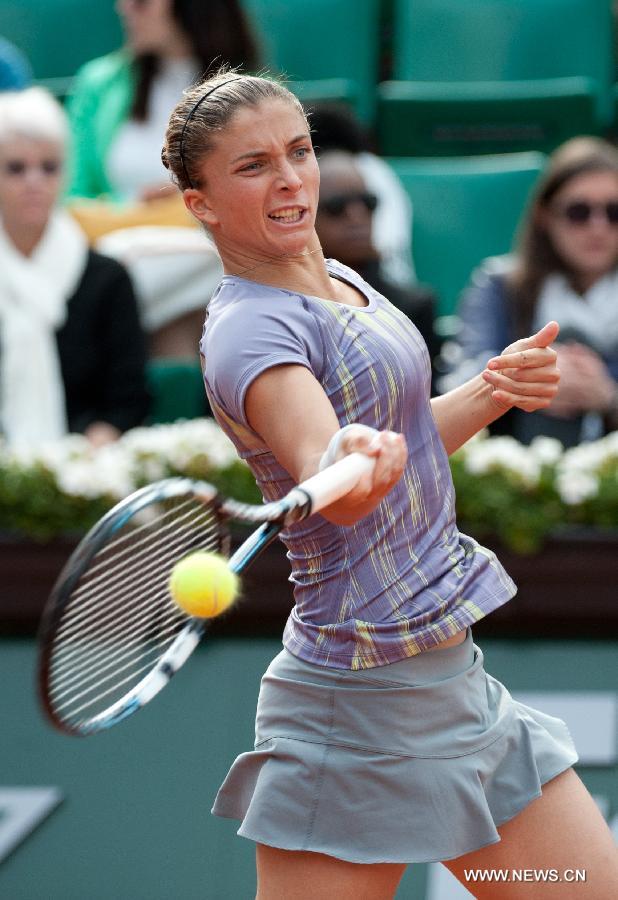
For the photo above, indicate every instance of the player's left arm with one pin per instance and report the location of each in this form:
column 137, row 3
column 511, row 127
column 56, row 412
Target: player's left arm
column 525, row 375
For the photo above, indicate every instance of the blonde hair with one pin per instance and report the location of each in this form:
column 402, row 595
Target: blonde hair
column 33, row 113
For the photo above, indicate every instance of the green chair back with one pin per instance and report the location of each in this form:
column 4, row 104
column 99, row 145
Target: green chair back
column 316, row 40
column 464, row 210
column 58, row 36
column 496, row 75
column 495, row 40
column 177, row 390
column 418, row 118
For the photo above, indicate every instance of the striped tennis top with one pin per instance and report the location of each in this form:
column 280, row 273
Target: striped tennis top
column 403, row 578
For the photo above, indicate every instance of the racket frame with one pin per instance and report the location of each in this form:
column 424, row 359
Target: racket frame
column 76, row 566
column 311, row 496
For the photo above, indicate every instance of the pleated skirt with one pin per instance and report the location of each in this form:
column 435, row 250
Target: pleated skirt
column 417, row 761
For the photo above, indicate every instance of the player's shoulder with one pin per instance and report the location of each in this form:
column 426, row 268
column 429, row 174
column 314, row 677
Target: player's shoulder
column 351, row 276
column 252, row 308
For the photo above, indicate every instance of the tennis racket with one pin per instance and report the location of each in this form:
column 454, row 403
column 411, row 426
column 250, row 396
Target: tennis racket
column 111, row 636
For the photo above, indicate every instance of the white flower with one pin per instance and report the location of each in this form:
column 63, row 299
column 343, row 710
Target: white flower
column 201, row 437
column 50, row 454
column 547, row 450
column 157, row 449
column 585, row 457
column 101, row 473
column 502, row 453
column 610, row 442
column 574, row 487
column 77, row 479
column 114, row 474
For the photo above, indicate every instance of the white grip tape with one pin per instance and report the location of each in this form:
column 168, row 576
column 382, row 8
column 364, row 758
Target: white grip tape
column 330, row 454
column 337, row 480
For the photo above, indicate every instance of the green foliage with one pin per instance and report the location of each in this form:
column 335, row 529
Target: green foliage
column 31, row 503
column 506, row 492
column 499, row 504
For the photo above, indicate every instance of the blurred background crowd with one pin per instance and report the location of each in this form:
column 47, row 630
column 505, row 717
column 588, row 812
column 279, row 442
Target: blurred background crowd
column 469, row 173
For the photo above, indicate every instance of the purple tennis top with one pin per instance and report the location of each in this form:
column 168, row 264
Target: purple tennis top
column 403, row 578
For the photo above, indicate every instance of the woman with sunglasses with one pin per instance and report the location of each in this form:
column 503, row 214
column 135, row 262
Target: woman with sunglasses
column 380, row 739
column 120, row 103
column 565, row 268
column 72, row 351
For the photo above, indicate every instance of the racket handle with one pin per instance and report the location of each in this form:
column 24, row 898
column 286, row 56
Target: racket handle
column 337, row 480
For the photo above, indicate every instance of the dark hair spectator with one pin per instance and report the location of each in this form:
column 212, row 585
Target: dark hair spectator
column 335, row 127
column 72, row 351
column 565, row 268
column 344, row 225
column 120, row 102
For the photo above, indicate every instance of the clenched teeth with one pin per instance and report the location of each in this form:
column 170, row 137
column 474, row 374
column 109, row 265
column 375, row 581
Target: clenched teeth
column 287, row 215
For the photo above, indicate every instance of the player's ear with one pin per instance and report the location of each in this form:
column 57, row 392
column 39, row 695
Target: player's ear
column 197, row 203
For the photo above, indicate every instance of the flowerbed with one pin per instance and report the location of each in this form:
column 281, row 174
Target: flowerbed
column 505, row 490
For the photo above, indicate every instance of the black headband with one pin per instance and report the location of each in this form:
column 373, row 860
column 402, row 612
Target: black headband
column 190, row 116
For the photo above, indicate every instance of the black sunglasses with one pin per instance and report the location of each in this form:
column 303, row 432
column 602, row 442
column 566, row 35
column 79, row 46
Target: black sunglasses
column 579, row 212
column 338, row 203
column 18, row 167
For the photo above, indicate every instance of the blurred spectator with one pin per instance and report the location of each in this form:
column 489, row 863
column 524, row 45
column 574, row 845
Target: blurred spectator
column 344, row 225
column 119, row 110
column 120, row 103
column 174, row 272
column 15, row 71
column 71, row 346
column 334, row 127
column 565, row 268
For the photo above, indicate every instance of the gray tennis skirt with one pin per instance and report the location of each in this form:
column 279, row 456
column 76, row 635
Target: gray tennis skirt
column 416, row 761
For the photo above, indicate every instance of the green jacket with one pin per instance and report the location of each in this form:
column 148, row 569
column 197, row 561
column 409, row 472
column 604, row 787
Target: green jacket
column 100, row 100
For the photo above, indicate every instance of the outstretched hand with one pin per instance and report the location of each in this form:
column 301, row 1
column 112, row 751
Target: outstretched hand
column 526, row 374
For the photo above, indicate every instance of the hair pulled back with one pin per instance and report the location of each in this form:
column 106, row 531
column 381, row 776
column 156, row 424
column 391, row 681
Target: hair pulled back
column 204, row 111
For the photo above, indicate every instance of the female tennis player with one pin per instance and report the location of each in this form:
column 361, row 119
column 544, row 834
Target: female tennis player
column 380, row 739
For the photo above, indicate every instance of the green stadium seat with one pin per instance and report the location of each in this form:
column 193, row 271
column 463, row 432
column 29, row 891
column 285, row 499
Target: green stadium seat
column 58, row 36
column 177, row 390
column 492, row 76
column 443, row 119
column 315, row 40
column 465, row 208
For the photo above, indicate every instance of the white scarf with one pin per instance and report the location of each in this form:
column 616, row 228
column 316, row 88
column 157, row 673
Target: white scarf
column 592, row 317
column 34, row 292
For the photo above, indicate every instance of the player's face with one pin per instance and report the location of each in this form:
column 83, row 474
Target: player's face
column 30, row 181
column 259, row 184
column 582, row 224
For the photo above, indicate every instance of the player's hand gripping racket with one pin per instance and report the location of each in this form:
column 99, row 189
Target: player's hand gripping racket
column 111, row 636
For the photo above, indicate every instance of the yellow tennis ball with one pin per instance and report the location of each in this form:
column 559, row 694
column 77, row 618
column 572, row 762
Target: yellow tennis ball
column 203, row 584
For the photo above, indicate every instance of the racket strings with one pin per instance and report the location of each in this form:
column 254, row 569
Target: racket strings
column 154, row 520
column 82, row 658
column 114, row 689
column 58, row 694
column 174, row 548
column 136, row 553
column 120, row 619
column 117, row 618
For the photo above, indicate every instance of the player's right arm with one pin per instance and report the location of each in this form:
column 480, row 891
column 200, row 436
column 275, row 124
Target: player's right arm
column 289, row 409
